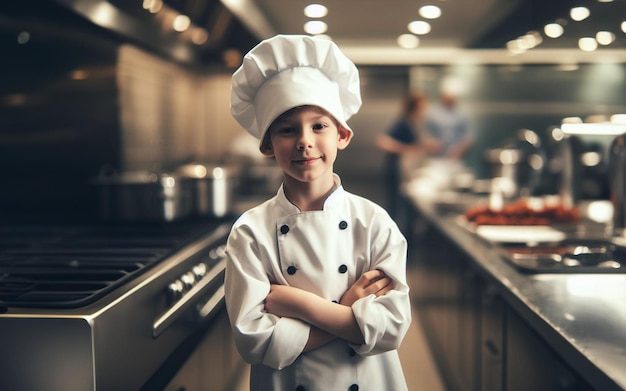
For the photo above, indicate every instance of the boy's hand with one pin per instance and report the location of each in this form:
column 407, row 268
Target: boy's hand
column 371, row 282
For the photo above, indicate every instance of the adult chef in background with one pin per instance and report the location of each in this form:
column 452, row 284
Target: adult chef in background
column 446, row 125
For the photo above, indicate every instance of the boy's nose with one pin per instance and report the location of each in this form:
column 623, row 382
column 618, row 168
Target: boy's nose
column 305, row 140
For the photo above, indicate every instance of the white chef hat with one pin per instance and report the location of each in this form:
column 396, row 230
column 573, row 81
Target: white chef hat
column 287, row 71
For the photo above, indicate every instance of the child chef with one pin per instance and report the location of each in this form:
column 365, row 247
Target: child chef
column 316, row 285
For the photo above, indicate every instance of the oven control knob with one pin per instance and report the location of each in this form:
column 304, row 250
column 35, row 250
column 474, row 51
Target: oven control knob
column 199, row 271
column 221, row 251
column 175, row 290
column 188, row 279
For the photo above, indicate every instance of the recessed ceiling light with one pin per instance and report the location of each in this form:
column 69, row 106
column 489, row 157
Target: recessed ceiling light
column 430, row 12
column 553, row 30
column 587, row 44
column 181, row 23
column 624, row 26
column 579, row 13
column 315, row 11
column 408, row 41
column 315, row 27
column 419, row 27
column 605, row 37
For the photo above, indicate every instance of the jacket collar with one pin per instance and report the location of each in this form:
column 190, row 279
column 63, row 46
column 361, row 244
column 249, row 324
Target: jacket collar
column 333, row 200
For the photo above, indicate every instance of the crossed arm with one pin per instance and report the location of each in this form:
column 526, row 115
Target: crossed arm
column 328, row 320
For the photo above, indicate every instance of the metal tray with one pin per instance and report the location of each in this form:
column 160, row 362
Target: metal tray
column 567, row 256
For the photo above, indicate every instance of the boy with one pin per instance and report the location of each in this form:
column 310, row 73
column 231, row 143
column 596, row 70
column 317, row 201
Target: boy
column 316, row 285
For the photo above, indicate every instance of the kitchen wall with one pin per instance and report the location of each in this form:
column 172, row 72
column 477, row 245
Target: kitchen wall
column 76, row 100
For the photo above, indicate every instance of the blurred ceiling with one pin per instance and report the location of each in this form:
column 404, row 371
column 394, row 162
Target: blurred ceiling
column 368, row 29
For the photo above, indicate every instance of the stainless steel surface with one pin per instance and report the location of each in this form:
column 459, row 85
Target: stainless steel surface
column 581, row 316
column 213, row 188
column 582, row 255
column 107, row 341
column 617, row 175
column 144, row 196
column 190, row 298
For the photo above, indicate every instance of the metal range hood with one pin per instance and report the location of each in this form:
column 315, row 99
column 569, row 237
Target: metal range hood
column 213, row 31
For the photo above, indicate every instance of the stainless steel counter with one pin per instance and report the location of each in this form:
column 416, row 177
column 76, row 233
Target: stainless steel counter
column 582, row 316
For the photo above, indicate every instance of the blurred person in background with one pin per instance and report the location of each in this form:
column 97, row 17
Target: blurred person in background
column 405, row 148
column 446, row 125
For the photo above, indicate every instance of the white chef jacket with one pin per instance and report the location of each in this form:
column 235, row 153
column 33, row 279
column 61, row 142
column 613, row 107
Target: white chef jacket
column 324, row 252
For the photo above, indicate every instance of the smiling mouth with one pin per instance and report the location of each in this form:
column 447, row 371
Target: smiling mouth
column 307, row 161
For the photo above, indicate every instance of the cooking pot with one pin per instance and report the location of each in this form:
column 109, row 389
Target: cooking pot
column 212, row 188
column 144, row 196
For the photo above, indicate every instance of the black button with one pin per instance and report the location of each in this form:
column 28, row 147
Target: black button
column 291, row 270
column 284, row 229
column 354, row 387
column 343, row 269
column 300, row 388
column 352, row 352
column 343, row 224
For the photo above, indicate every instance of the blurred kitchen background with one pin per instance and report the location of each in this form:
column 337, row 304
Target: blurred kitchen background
column 89, row 86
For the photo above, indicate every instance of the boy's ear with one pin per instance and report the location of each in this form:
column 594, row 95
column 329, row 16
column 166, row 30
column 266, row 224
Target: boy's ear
column 344, row 137
column 266, row 146
column 266, row 149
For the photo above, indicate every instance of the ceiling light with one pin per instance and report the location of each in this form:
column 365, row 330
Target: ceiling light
column 624, row 26
column 408, row 41
column 553, row 30
column 605, row 37
column 419, row 27
column 181, row 23
column 587, row 44
column 315, row 27
column 430, row 12
column 315, row 11
column 579, row 13
column 153, row 6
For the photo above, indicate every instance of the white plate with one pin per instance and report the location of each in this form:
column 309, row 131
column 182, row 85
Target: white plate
column 520, row 233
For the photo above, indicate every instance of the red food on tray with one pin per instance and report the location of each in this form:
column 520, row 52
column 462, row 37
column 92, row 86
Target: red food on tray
column 521, row 213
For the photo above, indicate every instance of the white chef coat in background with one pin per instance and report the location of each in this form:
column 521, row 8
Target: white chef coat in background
column 324, row 252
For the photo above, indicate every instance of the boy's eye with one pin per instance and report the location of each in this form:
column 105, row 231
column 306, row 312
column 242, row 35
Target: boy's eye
column 319, row 126
column 286, row 130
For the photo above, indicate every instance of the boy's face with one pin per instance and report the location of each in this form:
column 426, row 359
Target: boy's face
column 305, row 142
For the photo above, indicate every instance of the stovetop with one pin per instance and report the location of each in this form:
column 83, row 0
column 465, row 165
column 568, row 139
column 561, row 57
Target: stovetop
column 55, row 266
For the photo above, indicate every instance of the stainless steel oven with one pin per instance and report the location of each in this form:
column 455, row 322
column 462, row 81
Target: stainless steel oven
column 104, row 307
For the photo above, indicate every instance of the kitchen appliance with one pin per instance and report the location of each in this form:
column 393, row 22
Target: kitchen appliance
column 143, row 196
column 518, row 165
column 213, row 188
column 617, row 176
column 584, row 150
column 103, row 307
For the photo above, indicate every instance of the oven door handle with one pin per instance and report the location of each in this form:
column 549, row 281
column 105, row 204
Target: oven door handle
column 211, row 305
column 189, row 299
